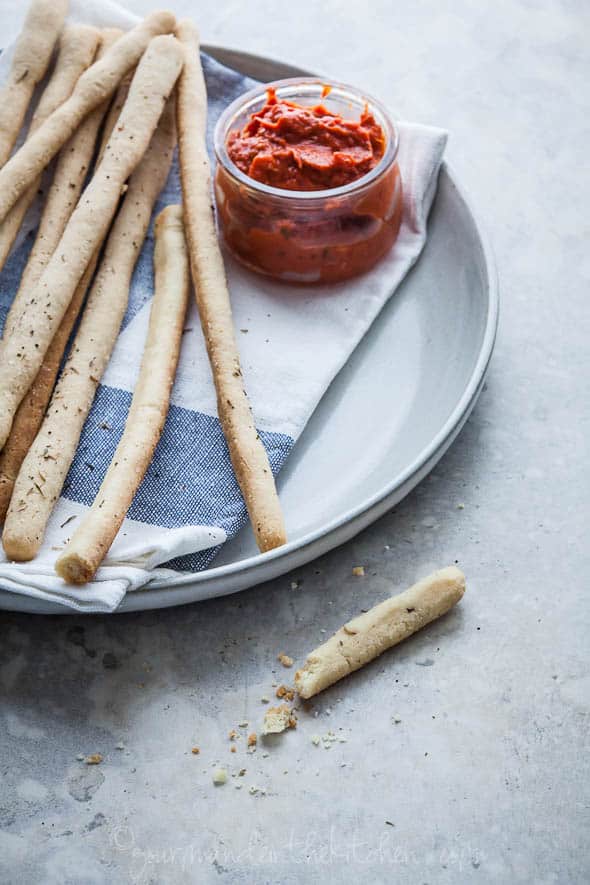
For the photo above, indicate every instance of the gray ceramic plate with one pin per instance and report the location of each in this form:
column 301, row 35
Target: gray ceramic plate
column 389, row 416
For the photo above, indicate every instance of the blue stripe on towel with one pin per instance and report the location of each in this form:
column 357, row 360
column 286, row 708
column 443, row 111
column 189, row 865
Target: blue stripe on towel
column 11, row 275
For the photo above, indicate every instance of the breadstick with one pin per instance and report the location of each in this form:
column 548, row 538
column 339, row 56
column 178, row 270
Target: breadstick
column 71, row 170
column 149, row 406
column 383, row 626
column 72, row 165
column 248, row 455
column 24, row 351
column 96, row 85
column 45, row 467
column 30, row 61
column 76, row 50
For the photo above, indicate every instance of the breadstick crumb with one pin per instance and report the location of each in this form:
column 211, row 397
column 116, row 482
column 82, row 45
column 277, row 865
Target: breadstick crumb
column 278, row 719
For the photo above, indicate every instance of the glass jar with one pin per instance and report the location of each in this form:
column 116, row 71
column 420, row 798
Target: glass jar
column 319, row 236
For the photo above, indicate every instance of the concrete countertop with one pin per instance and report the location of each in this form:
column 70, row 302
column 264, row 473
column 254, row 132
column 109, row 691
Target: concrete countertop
column 464, row 753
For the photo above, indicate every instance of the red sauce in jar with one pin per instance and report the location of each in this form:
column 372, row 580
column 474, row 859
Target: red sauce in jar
column 295, row 148
column 301, row 148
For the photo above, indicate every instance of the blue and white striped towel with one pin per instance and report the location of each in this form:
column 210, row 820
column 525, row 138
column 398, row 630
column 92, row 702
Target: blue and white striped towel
column 189, row 501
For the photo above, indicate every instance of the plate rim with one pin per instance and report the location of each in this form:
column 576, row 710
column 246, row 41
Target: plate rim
column 329, row 534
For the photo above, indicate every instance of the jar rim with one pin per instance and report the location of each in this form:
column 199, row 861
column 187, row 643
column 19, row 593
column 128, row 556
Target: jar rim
column 250, row 98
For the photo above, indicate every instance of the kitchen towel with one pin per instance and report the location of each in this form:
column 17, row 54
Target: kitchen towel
column 290, row 338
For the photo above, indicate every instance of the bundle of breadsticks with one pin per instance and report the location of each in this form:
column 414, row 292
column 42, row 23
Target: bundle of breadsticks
column 108, row 121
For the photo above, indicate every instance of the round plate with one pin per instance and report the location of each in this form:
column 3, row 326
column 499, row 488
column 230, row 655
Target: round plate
column 388, row 417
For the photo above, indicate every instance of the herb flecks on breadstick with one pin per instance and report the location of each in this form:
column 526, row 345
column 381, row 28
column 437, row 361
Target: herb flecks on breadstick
column 23, row 353
column 114, row 112
column 148, row 410
column 372, row 633
column 248, row 456
column 77, row 47
column 46, row 465
column 73, row 163
column 30, row 61
column 96, row 85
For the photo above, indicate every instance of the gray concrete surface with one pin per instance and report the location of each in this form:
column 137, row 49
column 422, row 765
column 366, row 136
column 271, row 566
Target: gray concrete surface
column 466, row 756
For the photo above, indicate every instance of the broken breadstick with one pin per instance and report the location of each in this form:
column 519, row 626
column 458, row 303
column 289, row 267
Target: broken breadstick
column 70, row 173
column 149, row 406
column 32, row 54
column 71, row 170
column 23, row 353
column 45, row 467
column 248, row 455
column 77, row 47
column 383, row 626
column 96, row 85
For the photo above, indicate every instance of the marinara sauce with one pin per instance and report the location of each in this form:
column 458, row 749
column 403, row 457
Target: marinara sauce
column 317, row 194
